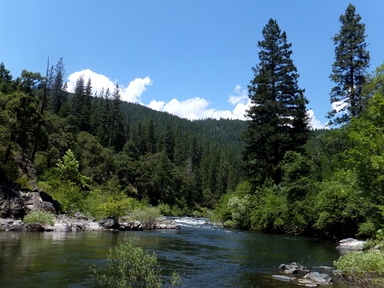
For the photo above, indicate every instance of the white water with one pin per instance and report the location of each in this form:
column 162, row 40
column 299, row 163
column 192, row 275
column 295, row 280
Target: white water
column 191, row 222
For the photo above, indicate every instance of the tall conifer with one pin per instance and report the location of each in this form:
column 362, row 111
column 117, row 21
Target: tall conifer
column 277, row 118
column 348, row 70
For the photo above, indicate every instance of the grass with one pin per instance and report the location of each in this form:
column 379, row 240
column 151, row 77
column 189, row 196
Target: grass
column 363, row 267
column 39, row 217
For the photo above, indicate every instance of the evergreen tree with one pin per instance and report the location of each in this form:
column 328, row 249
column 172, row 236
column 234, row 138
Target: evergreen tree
column 348, row 70
column 150, row 138
column 104, row 121
column 117, row 133
column 58, row 94
column 81, row 103
column 5, row 79
column 277, row 118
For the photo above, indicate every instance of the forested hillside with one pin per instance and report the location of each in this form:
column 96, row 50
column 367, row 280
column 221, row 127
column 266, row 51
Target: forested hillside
column 88, row 147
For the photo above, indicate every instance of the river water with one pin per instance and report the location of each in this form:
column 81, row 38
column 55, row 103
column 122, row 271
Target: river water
column 203, row 255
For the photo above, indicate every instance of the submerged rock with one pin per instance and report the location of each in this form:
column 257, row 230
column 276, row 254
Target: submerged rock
column 283, row 278
column 317, row 278
column 311, row 279
column 294, row 268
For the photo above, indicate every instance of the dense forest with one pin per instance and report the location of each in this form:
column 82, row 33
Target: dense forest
column 99, row 155
column 86, row 147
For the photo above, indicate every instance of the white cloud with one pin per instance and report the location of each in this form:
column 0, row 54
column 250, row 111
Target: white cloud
column 132, row 93
column 98, row 81
column 198, row 108
column 313, row 122
column 135, row 88
column 239, row 97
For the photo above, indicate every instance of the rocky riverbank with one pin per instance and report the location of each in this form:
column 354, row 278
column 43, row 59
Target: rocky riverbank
column 78, row 222
column 15, row 204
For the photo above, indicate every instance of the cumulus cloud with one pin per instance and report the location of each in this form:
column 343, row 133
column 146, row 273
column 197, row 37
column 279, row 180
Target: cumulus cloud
column 135, row 88
column 132, row 93
column 198, row 108
column 313, row 122
column 98, row 81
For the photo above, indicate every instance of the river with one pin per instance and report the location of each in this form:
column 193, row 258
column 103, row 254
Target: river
column 203, row 255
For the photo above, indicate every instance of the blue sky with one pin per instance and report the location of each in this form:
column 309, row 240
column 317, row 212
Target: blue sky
column 192, row 58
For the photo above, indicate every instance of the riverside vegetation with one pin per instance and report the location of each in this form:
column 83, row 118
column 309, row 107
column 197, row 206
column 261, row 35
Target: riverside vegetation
column 106, row 158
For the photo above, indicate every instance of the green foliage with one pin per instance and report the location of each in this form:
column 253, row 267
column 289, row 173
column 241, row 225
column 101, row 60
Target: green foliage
column 39, row 217
column 130, row 266
column 366, row 230
column 68, row 170
column 147, row 216
column 338, row 205
column 271, row 213
column 175, row 279
column 365, row 268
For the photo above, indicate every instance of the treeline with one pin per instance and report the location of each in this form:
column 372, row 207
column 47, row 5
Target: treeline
column 97, row 154
column 329, row 182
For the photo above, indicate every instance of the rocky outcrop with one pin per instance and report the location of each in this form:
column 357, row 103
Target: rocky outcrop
column 12, row 205
column 15, row 204
column 351, row 244
column 79, row 222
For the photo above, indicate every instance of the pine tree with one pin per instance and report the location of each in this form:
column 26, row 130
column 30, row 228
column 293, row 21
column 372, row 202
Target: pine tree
column 348, row 70
column 117, row 135
column 277, row 118
column 58, row 95
column 81, row 103
column 5, row 79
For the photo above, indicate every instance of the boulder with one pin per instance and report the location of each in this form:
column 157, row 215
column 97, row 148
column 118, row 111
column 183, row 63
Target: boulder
column 15, row 203
column 79, row 222
column 293, row 268
column 11, row 203
column 34, row 202
column 317, row 278
column 351, row 244
column 130, row 225
column 166, row 224
column 109, row 223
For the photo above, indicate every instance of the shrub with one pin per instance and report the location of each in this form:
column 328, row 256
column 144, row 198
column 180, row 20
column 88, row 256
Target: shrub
column 147, row 216
column 363, row 267
column 130, row 266
column 39, row 217
column 175, row 279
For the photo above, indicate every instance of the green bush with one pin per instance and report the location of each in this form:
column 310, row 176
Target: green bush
column 147, row 216
column 130, row 266
column 363, row 267
column 271, row 213
column 39, row 217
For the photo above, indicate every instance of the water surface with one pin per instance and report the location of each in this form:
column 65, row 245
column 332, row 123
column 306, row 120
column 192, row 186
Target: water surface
column 203, row 255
